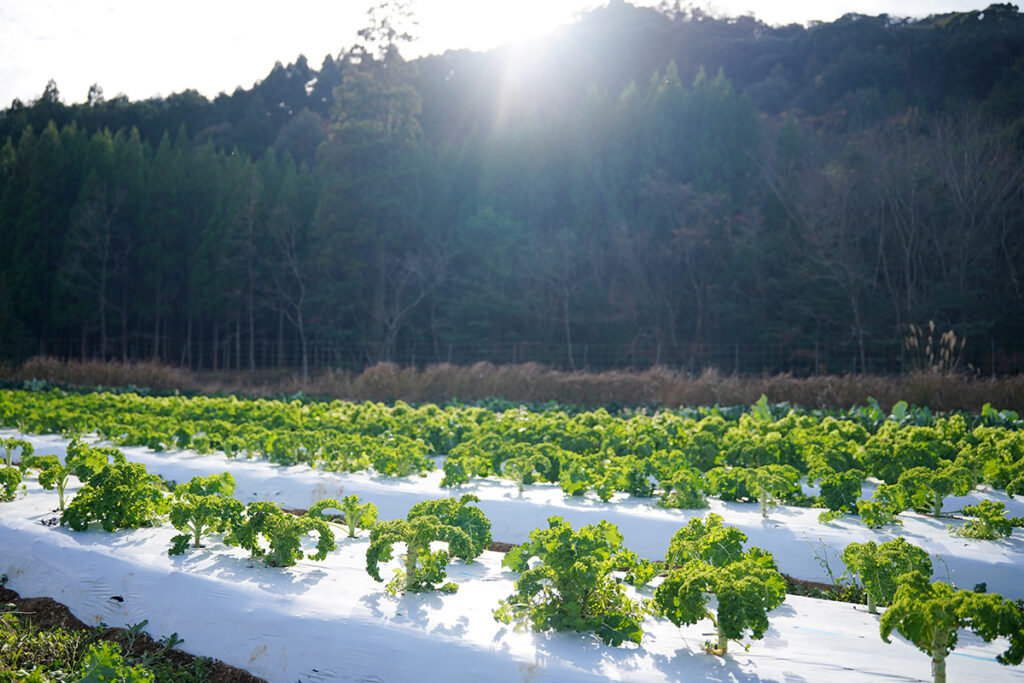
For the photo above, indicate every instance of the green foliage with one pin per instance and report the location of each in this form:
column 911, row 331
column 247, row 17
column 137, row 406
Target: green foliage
column 875, row 515
column 729, row 483
column 925, row 488
column 683, row 491
column 10, row 479
column 464, row 528
column 840, row 491
column 118, row 496
column 204, row 505
column 81, row 459
column 104, row 664
column 282, row 532
column 571, row 588
column 460, row 514
column 887, row 502
column 33, row 654
column 707, row 557
column 11, row 443
column 768, row 485
column 707, row 540
column 523, row 469
column 930, row 614
column 747, row 588
column 894, row 449
column 775, row 483
column 356, row 514
column 756, row 444
column 990, row 522
column 879, row 567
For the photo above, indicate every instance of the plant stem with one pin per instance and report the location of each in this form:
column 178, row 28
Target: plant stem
column 939, row 658
column 410, row 564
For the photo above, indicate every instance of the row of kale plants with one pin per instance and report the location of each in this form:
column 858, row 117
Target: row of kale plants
column 759, row 455
column 569, row 580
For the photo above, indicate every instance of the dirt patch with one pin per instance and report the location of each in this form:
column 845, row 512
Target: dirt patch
column 499, row 547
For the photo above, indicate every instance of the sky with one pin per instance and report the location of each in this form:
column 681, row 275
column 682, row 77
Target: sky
column 146, row 48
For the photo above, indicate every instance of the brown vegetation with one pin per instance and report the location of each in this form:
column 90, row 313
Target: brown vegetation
column 530, row 382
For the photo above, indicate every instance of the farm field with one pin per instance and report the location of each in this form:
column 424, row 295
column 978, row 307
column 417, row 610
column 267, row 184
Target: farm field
column 330, row 620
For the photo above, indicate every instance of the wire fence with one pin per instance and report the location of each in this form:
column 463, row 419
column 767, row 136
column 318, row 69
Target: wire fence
column 988, row 357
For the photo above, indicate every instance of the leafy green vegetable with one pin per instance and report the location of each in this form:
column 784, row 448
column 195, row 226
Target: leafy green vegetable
column 768, row 484
column 464, row 528
column 746, row 590
column 356, row 514
column 204, row 505
column 282, row 532
column 104, row 664
column 886, row 502
column 775, row 483
column 10, row 443
column 10, row 478
column 989, row 524
column 840, row 491
column 895, row 449
column 571, row 589
column 81, row 459
column 930, row 614
column 522, row 468
column 683, row 491
column 925, row 489
column 875, row 515
column 707, row 540
column 879, row 567
column 118, row 496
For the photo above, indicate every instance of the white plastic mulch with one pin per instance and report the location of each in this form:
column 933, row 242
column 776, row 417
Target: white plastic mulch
column 330, row 621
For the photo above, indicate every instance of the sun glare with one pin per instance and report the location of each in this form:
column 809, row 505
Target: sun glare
column 482, row 25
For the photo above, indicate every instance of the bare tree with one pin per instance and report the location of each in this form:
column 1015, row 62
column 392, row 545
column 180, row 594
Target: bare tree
column 96, row 250
column 289, row 277
column 406, row 280
column 833, row 219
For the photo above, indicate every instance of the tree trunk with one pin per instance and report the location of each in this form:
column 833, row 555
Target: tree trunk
column 238, row 341
column 568, row 327
column 156, row 321
column 186, row 350
column 199, row 350
column 124, row 327
column 280, row 339
column 250, row 248
column 305, row 354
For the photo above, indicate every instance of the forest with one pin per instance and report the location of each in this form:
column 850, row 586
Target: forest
column 646, row 186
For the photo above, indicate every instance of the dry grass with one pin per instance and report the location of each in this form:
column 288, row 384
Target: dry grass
column 100, row 374
column 530, row 382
